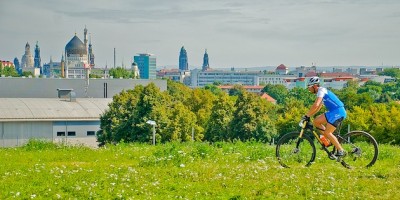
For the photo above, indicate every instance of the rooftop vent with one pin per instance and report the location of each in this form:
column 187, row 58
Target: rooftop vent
column 66, row 94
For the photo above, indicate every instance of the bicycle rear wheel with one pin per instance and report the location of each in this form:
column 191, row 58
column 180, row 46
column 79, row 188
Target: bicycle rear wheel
column 293, row 151
column 361, row 147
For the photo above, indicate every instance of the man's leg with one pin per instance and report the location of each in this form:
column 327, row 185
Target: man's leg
column 327, row 130
column 328, row 133
column 319, row 123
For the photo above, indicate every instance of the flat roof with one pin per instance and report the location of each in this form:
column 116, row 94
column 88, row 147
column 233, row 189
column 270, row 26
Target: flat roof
column 52, row 109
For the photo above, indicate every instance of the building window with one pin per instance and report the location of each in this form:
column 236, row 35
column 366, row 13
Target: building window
column 61, row 133
column 71, row 133
column 91, row 133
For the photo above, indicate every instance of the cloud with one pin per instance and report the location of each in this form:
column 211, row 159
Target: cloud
column 227, row 28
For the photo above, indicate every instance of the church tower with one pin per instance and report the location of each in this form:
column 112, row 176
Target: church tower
column 27, row 58
column 206, row 65
column 38, row 60
column 90, row 54
column 183, row 60
column 17, row 66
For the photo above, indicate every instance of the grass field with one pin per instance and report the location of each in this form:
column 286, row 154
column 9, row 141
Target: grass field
column 43, row 170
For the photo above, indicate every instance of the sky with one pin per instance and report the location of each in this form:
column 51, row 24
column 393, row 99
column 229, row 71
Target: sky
column 252, row 33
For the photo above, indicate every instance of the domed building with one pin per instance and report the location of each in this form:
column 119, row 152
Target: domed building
column 76, row 58
column 27, row 58
column 282, row 70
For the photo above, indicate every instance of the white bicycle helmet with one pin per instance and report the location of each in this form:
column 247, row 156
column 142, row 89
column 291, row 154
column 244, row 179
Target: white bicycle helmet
column 313, row 80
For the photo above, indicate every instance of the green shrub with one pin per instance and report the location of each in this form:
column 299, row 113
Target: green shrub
column 39, row 144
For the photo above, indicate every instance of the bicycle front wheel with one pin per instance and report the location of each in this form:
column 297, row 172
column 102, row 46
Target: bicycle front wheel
column 293, row 151
column 361, row 148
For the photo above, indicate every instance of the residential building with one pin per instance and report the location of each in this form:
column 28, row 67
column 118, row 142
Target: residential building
column 175, row 75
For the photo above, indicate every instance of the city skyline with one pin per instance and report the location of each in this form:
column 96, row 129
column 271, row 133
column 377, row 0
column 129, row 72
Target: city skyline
column 256, row 33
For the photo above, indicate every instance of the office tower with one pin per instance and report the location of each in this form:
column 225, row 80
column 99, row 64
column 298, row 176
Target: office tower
column 183, row 60
column 147, row 65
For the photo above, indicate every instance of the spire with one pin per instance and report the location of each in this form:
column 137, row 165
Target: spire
column 27, row 47
column 183, row 60
column 85, row 38
column 37, row 60
column 206, row 65
column 90, row 50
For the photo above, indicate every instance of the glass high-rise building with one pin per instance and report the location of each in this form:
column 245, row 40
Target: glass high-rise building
column 147, row 65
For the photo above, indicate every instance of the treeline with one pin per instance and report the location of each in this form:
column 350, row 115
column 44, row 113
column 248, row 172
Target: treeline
column 11, row 71
column 209, row 114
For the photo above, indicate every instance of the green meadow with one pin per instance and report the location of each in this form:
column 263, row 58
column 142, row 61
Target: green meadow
column 42, row 170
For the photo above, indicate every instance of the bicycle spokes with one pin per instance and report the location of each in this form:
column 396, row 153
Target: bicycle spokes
column 361, row 147
column 293, row 151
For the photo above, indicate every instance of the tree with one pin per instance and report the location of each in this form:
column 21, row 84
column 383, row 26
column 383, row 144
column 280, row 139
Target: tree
column 250, row 119
column 27, row 74
column 375, row 91
column 178, row 91
column 393, row 72
column 289, row 115
column 120, row 72
column 200, row 102
column 182, row 120
column 380, row 120
column 94, row 76
column 217, row 128
column 303, row 95
column 117, row 122
column 128, row 113
column 214, row 89
column 278, row 92
column 236, row 90
column 8, row 71
column 148, row 108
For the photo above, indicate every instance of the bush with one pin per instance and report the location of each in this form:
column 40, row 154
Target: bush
column 40, row 144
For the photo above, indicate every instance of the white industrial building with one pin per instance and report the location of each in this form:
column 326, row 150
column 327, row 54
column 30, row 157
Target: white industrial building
column 73, row 121
column 59, row 110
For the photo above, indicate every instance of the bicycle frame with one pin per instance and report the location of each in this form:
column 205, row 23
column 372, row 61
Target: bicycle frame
column 364, row 153
column 308, row 126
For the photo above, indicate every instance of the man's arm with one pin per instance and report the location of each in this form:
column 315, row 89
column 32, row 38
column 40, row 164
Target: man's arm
column 315, row 107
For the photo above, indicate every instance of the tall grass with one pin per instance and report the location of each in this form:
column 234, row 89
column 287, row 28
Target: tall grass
column 237, row 170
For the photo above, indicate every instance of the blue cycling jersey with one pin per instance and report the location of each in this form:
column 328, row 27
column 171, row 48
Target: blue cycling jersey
column 331, row 101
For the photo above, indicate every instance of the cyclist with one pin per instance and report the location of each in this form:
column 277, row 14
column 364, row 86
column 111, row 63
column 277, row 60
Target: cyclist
column 327, row 122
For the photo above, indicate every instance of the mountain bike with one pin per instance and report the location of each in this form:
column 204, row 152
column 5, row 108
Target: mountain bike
column 298, row 148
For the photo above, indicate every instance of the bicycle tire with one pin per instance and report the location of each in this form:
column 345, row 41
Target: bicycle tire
column 289, row 154
column 361, row 147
